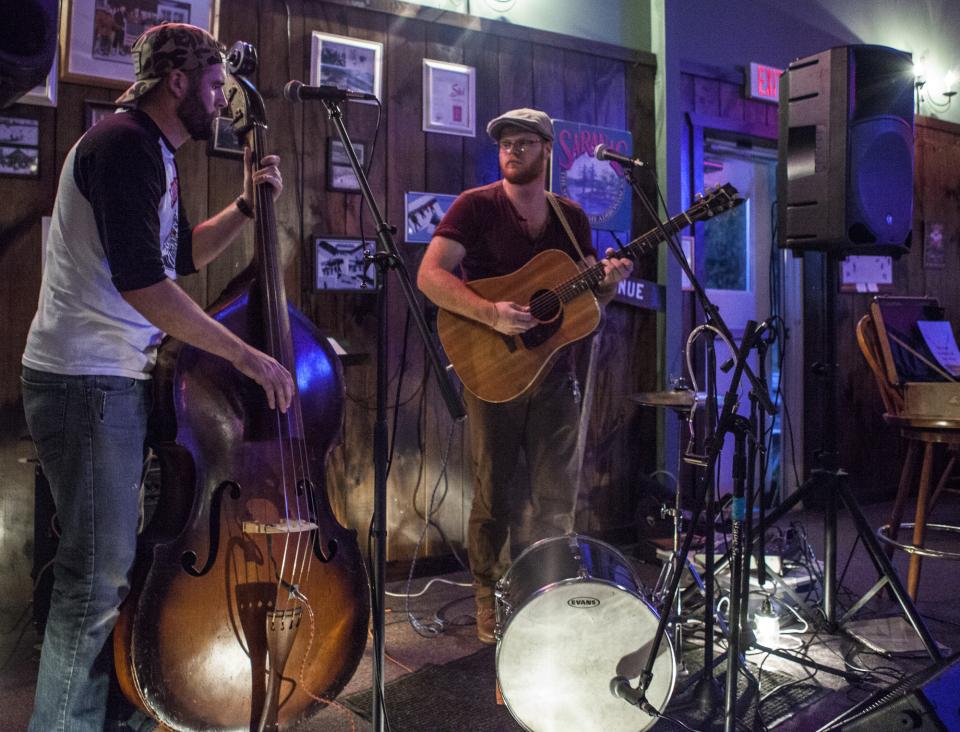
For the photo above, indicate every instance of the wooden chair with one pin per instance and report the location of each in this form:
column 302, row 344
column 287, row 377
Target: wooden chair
column 922, row 434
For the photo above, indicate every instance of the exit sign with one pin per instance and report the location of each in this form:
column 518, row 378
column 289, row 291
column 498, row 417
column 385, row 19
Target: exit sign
column 764, row 82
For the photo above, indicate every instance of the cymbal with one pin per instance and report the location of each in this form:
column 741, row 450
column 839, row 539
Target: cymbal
column 675, row 398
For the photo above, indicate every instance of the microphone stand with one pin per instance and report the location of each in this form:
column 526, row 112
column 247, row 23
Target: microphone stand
column 386, row 258
column 707, row 691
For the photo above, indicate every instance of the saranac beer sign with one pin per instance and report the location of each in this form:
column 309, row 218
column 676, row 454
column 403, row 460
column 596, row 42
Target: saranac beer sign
column 600, row 187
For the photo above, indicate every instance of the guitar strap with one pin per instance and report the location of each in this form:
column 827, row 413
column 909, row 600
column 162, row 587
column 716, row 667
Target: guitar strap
column 566, row 226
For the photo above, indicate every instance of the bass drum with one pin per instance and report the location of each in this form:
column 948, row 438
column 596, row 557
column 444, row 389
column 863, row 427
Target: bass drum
column 571, row 618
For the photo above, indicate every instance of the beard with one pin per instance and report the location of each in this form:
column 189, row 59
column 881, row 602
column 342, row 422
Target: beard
column 195, row 118
column 526, row 172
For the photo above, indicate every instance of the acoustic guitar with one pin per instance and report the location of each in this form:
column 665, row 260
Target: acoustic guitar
column 560, row 294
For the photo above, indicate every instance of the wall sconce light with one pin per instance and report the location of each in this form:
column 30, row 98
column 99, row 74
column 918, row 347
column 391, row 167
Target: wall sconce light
column 925, row 96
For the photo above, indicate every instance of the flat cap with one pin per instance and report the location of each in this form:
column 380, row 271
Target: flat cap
column 527, row 119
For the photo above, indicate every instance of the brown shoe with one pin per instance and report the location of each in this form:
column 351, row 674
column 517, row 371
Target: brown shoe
column 486, row 621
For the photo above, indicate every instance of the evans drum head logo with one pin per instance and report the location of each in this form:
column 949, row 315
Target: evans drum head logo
column 583, row 602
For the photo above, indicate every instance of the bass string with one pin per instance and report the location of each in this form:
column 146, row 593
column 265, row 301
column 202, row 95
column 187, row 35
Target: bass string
column 294, row 462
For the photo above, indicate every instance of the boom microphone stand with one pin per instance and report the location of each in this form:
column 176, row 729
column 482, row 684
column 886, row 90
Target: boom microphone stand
column 386, row 258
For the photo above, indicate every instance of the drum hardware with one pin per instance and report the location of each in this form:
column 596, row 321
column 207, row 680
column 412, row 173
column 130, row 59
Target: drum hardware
column 706, row 694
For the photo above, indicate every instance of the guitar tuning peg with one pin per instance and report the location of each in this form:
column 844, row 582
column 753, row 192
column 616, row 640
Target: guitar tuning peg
column 698, row 197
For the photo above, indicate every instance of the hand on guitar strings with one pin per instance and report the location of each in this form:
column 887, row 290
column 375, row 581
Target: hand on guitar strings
column 510, row 318
column 267, row 174
column 615, row 269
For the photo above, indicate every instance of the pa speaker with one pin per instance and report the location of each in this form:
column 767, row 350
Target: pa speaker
column 28, row 41
column 924, row 702
column 845, row 173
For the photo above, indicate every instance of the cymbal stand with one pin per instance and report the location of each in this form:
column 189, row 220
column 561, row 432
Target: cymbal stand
column 670, row 567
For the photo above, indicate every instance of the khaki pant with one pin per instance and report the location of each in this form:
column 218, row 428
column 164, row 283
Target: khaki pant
column 542, row 423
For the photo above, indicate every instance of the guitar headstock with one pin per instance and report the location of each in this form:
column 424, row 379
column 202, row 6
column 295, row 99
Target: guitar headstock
column 716, row 200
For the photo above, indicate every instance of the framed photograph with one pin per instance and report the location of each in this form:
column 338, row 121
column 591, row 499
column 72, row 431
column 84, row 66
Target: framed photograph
column 423, row 213
column 340, row 176
column 45, row 94
column 449, row 98
column 95, row 110
column 19, row 147
column 341, row 265
column 224, row 142
column 347, row 63
column 97, row 35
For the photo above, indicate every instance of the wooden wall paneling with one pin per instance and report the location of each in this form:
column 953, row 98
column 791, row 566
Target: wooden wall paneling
column 443, row 154
column 280, row 61
column 444, row 170
column 25, row 202
column 732, row 102
column 754, row 111
column 480, row 160
column 361, row 123
column 706, row 96
column 688, row 95
column 617, row 421
column 406, row 166
column 407, row 159
column 579, row 78
column 209, row 184
column 549, row 92
column 324, row 210
column 516, row 74
column 611, row 98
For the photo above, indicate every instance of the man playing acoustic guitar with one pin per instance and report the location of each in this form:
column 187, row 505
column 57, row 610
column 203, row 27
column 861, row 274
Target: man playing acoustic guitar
column 493, row 231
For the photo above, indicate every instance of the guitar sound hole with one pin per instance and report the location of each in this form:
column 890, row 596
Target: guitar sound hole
column 545, row 306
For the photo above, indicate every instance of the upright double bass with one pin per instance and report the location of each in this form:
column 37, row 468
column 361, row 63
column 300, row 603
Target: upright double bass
column 250, row 602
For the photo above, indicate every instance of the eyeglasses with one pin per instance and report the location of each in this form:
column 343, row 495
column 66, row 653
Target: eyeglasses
column 517, row 146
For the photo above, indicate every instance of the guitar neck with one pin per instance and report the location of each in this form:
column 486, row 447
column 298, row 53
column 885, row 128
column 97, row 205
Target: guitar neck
column 591, row 277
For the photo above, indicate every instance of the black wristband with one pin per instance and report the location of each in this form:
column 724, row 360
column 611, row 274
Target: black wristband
column 244, row 207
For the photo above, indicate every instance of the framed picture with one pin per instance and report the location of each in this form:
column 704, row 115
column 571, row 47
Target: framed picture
column 19, row 147
column 97, row 35
column 423, row 213
column 95, row 110
column 347, row 63
column 449, row 98
column 224, row 142
column 340, row 176
column 45, row 94
column 341, row 265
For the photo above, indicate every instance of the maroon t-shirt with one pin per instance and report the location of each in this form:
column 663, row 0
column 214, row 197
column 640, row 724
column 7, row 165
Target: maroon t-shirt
column 489, row 227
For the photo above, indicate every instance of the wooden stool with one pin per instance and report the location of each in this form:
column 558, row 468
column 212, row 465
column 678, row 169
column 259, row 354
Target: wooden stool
column 921, row 433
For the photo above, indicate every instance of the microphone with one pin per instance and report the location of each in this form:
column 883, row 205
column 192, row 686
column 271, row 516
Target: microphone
column 620, row 687
column 297, row 91
column 602, row 153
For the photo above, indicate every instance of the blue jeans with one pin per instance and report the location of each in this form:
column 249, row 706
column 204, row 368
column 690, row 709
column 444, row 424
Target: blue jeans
column 89, row 432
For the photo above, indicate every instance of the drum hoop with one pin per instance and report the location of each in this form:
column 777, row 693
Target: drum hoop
column 568, row 537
